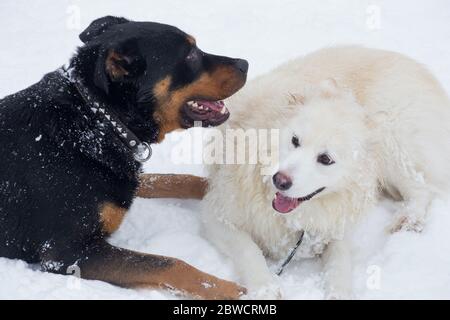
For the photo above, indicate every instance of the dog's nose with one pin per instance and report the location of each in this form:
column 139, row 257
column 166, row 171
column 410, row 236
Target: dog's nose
column 242, row 65
column 282, row 181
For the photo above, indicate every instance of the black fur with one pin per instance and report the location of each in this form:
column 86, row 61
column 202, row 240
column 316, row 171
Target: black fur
column 59, row 162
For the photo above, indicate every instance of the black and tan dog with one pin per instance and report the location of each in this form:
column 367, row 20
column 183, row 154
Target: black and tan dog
column 69, row 147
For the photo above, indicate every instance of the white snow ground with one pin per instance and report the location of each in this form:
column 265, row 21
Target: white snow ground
column 38, row 36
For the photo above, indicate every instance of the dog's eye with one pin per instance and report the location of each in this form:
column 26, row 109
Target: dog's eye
column 193, row 59
column 325, row 159
column 295, row 141
column 192, row 56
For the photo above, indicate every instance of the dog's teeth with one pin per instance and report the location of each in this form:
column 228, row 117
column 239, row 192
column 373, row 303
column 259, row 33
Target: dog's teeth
column 190, row 103
column 195, row 105
column 200, row 107
column 223, row 110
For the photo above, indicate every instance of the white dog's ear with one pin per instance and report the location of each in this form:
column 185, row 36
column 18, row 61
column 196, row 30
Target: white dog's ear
column 295, row 99
column 329, row 88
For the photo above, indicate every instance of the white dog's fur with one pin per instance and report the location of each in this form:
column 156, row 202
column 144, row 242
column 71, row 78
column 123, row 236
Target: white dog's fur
column 383, row 119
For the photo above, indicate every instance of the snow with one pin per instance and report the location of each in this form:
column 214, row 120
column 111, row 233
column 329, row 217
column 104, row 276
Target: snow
column 39, row 36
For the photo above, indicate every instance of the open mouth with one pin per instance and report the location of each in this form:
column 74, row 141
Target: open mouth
column 284, row 204
column 209, row 113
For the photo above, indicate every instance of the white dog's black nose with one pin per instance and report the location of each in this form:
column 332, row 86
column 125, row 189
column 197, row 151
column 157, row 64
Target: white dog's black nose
column 282, row 181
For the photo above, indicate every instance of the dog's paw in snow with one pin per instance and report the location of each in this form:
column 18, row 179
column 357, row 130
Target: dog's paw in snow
column 271, row 291
column 407, row 223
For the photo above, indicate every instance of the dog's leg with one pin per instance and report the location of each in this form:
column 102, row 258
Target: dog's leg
column 414, row 210
column 182, row 186
column 247, row 258
column 130, row 269
column 337, row 266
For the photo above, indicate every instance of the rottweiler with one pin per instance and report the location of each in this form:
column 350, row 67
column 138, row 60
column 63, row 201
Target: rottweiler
column 72, row 146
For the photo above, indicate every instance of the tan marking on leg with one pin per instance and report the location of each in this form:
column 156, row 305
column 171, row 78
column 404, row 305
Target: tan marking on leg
column 131, row 269
column 111, row 217
column 182, row 277
column 181, row 186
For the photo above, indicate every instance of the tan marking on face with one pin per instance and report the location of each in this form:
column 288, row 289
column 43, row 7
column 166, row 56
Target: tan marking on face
column 161, row 89
column 113, row 67
column 191, row 40
column 111, row 217
column 219, row 84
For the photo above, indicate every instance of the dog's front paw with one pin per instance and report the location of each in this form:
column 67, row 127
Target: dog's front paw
column 217, row 289
column 269, row 291
column 407, row 223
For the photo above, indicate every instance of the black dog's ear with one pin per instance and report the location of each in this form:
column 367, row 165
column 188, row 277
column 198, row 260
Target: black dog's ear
column 97, row 27
column 124, row 61
column 120, row 63
column 117, row 65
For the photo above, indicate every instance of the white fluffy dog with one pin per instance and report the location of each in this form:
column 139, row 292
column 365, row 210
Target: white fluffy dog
column 354, row 121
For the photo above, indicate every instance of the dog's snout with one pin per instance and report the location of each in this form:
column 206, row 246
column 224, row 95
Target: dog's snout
column 242, row 65
column 282, row 181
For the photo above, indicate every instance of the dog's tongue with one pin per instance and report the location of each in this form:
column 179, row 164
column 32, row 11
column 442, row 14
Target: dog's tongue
column 284, row 204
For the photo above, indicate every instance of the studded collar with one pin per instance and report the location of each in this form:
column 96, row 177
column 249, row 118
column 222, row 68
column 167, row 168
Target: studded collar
column 141, row 150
